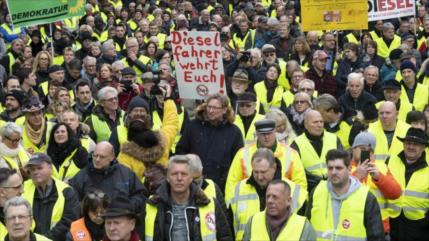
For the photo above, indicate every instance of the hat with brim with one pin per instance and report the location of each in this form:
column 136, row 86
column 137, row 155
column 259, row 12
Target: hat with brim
column 415, row 135
column 121, row 206
column 32, row 105
column 38, row 159
column 118, row 212
column 265, row 126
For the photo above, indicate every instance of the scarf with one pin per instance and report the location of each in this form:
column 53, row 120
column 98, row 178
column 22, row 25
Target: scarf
column 6, row 151
column 297, row 117
column 59, row 152
column 35, row 136
column 83, row 108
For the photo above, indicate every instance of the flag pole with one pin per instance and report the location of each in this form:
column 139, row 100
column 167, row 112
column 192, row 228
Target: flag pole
column 52, row 42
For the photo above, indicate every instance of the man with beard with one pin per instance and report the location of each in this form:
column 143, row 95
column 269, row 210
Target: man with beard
column 13, row 102
column 341, row 206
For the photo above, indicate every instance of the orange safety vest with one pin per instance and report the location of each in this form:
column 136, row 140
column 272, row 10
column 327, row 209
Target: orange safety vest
column 79, row 231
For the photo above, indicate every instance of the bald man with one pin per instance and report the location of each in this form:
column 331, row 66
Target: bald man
column 386, row 130
column 106, row 174
column 312, row 146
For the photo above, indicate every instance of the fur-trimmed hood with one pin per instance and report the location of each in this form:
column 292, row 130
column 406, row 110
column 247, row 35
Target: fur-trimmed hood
column 145, row 155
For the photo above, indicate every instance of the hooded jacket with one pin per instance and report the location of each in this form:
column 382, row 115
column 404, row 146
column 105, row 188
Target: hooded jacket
column 163, row 221
column 371, row 217
column 136, row 157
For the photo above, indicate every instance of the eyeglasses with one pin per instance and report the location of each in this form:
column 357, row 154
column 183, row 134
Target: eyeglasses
column 94, row 195
column 14, row 141
column 111, row 99
column 300, row 102
column 211, row 107
column 19, row 217
column 269, row 54
column 15, row 187
column 94, row 156
column 246, row 105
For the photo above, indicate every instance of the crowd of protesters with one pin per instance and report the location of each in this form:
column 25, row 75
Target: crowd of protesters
column 321, row 135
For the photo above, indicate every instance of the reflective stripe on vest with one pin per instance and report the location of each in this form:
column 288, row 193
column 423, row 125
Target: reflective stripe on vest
column 414, row 200
column 11, row 62
column 350, row 220
column 382, row 150
column 261, row 93
column 57, row 211
column 206, row 215
column 67, row 170
column 79, row 231
column 313, row 163
column 292, row 231
column 245, row 203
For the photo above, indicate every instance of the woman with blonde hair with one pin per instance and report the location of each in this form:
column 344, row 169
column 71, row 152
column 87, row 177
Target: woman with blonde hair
column 41, row 63
column 284, row 130
column 297, row 110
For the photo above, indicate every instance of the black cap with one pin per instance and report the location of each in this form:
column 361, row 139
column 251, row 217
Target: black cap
column 128, row 71
column 121, row 206
column 391, row 84
column 395, row 54
column 38, row 159
column 406, row 64
column 265, row 126
column 17, row 94
column 247, row 97
column 55, row 68
column 415, row 135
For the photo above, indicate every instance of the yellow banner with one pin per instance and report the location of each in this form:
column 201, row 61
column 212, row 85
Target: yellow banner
column 334, row 14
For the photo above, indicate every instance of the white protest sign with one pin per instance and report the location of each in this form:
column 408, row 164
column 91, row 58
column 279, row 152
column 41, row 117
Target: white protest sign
column 386, row 9
column 199, row 67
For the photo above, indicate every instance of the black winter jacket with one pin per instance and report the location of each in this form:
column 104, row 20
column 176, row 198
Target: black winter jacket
column 351, row 106
column 215, row 145
column 164, row 219
column 42, row 213
column 116, row 180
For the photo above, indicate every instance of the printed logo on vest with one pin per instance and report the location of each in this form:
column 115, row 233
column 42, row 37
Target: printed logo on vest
column 211, row 221
column 346, row 224
column 80, row 235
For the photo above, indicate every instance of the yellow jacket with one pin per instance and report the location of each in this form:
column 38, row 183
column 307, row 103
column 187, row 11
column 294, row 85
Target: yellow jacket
column 241, row 167
column 134, row 157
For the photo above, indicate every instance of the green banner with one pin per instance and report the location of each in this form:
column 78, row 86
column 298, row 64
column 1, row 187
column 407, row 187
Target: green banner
column 33, row 12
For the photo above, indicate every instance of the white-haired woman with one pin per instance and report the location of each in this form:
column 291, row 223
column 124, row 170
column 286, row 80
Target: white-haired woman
column 12, row 153
column 284, row 130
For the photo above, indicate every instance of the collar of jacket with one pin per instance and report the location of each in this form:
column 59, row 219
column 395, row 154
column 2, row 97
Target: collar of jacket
column 162, row 195
column 113, row 165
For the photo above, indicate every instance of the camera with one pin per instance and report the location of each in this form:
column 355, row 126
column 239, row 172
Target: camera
column 155, row 90
column 127, row 85
column 245, row 56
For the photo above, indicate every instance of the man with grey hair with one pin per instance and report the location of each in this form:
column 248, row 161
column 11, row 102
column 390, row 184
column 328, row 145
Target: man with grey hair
column 249, row 194
column 373, row 86
column 106, row 114
column 388, row 42
column 89, row 69
column 134, row 59
column 177, row 205
column 19, row 217
column 355, row 98
column 108, row 53
column 210, row 188
column 12, row 153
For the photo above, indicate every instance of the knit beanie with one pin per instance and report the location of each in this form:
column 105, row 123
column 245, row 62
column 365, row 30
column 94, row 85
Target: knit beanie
column 408, row 65
column 138, row 101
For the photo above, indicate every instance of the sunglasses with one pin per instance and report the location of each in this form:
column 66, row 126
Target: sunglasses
column 94, row 195
column 300, row 102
